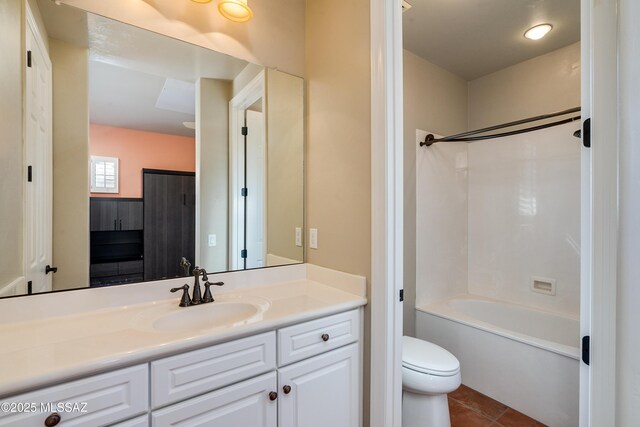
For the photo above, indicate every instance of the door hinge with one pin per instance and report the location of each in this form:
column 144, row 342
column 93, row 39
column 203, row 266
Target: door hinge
column 243, row 253
column 586, row 349
column 29, row 58
column 245, row 130
column 586, row 133
column 244, row 192
column 29, row 287
column 29, row 173
column 401, row 295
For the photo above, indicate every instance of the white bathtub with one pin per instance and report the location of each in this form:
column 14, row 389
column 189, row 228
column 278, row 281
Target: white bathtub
column 525, row 358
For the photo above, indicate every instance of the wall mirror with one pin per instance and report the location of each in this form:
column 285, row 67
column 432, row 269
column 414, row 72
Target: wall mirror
column 143, row 156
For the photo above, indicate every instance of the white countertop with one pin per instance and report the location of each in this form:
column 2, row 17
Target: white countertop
column 51, row 350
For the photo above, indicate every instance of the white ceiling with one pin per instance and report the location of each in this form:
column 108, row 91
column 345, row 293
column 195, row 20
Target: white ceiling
column 135, row 76
column 472, row 38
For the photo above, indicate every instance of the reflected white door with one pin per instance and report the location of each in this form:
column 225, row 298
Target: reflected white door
column 38, row 161
column 255, row 184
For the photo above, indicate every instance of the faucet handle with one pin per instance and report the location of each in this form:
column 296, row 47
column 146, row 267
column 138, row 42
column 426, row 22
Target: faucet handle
column 207, row 292
column 185, row 301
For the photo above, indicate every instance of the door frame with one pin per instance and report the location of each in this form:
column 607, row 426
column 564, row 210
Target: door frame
column 386, row 213
column 247, row 96
column 600, row 258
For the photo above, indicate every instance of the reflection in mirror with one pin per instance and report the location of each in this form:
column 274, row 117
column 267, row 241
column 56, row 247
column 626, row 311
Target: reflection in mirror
column 144, row 157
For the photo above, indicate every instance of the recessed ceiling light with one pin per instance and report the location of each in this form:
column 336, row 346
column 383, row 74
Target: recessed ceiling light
column 538, row 32
column 235, row 10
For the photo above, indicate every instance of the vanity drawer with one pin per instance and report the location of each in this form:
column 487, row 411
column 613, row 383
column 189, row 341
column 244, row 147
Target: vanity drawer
column 317, row 336
column 185, row 375
column 109, row 398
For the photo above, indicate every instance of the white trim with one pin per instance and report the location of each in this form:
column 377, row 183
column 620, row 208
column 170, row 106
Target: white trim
column 386, row 213
column 604, row 209
column 247, row 96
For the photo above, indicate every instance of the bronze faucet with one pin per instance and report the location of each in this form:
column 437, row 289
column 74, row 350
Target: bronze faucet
column 197, row 296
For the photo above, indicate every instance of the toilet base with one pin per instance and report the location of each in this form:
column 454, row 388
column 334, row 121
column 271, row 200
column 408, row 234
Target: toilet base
column 420, row 410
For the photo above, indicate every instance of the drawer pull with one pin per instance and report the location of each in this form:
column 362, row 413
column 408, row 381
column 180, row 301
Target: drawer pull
column 273, row 395
column 325, row 337
column 52, row 420
column 286, row 389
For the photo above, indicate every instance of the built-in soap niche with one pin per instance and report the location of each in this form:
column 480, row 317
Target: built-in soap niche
column 543, row 285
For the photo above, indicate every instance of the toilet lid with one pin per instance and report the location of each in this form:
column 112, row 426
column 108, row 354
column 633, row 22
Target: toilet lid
column 428, row 358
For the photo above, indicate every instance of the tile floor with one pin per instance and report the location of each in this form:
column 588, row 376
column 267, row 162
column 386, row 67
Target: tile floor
column 469, row 408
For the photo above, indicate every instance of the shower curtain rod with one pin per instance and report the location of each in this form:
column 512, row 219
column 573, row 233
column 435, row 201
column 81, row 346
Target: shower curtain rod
column 467, row 136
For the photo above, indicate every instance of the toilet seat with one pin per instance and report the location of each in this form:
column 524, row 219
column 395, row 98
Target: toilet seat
column 427, row 358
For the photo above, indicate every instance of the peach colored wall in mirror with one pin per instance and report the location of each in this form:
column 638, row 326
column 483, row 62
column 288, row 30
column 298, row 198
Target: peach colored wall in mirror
column 139, row 150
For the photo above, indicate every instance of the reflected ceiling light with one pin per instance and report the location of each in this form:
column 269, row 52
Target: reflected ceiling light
column 235, row 10
column 189, row 125
column 538, row 32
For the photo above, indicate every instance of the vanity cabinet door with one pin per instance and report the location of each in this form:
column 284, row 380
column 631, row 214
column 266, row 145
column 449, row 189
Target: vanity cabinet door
column 104, row 214
column 244, row 404
column 321, row 391
column 130, row 215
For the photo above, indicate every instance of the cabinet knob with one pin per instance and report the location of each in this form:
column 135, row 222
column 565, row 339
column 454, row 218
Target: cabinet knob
column 52, row 420
column 286, row 389
column 273, row 395
column 325, row 337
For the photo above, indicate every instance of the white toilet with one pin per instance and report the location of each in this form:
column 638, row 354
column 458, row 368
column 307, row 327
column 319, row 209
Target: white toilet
column 429, row 372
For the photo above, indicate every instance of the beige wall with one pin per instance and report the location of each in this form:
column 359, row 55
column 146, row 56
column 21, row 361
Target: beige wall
column 11, row 177
column 338, row 188
column 273, row 38
column 70, row 165
column 540, row 85
column 435, row 100
column 212, row 171
column 285, row 163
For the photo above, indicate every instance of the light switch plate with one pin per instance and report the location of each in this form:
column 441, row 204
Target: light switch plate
column 298, row 236
column 212, row 240
column 313, row 238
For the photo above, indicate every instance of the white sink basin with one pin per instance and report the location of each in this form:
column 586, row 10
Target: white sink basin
column 206, row 316
column 168, row 317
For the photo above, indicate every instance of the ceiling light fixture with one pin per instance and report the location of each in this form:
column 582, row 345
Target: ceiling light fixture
column 538, row 32
column 235, row 10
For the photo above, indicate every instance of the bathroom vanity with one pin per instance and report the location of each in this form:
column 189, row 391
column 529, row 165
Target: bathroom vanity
column 272, row 354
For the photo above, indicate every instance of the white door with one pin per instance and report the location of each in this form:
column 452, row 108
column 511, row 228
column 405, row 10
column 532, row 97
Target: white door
column 322, row 391
column 38, row 161
column 255, row 184
column 244, row 404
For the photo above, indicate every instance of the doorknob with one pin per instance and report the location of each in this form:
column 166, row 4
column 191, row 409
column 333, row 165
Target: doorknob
column 48, row 269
